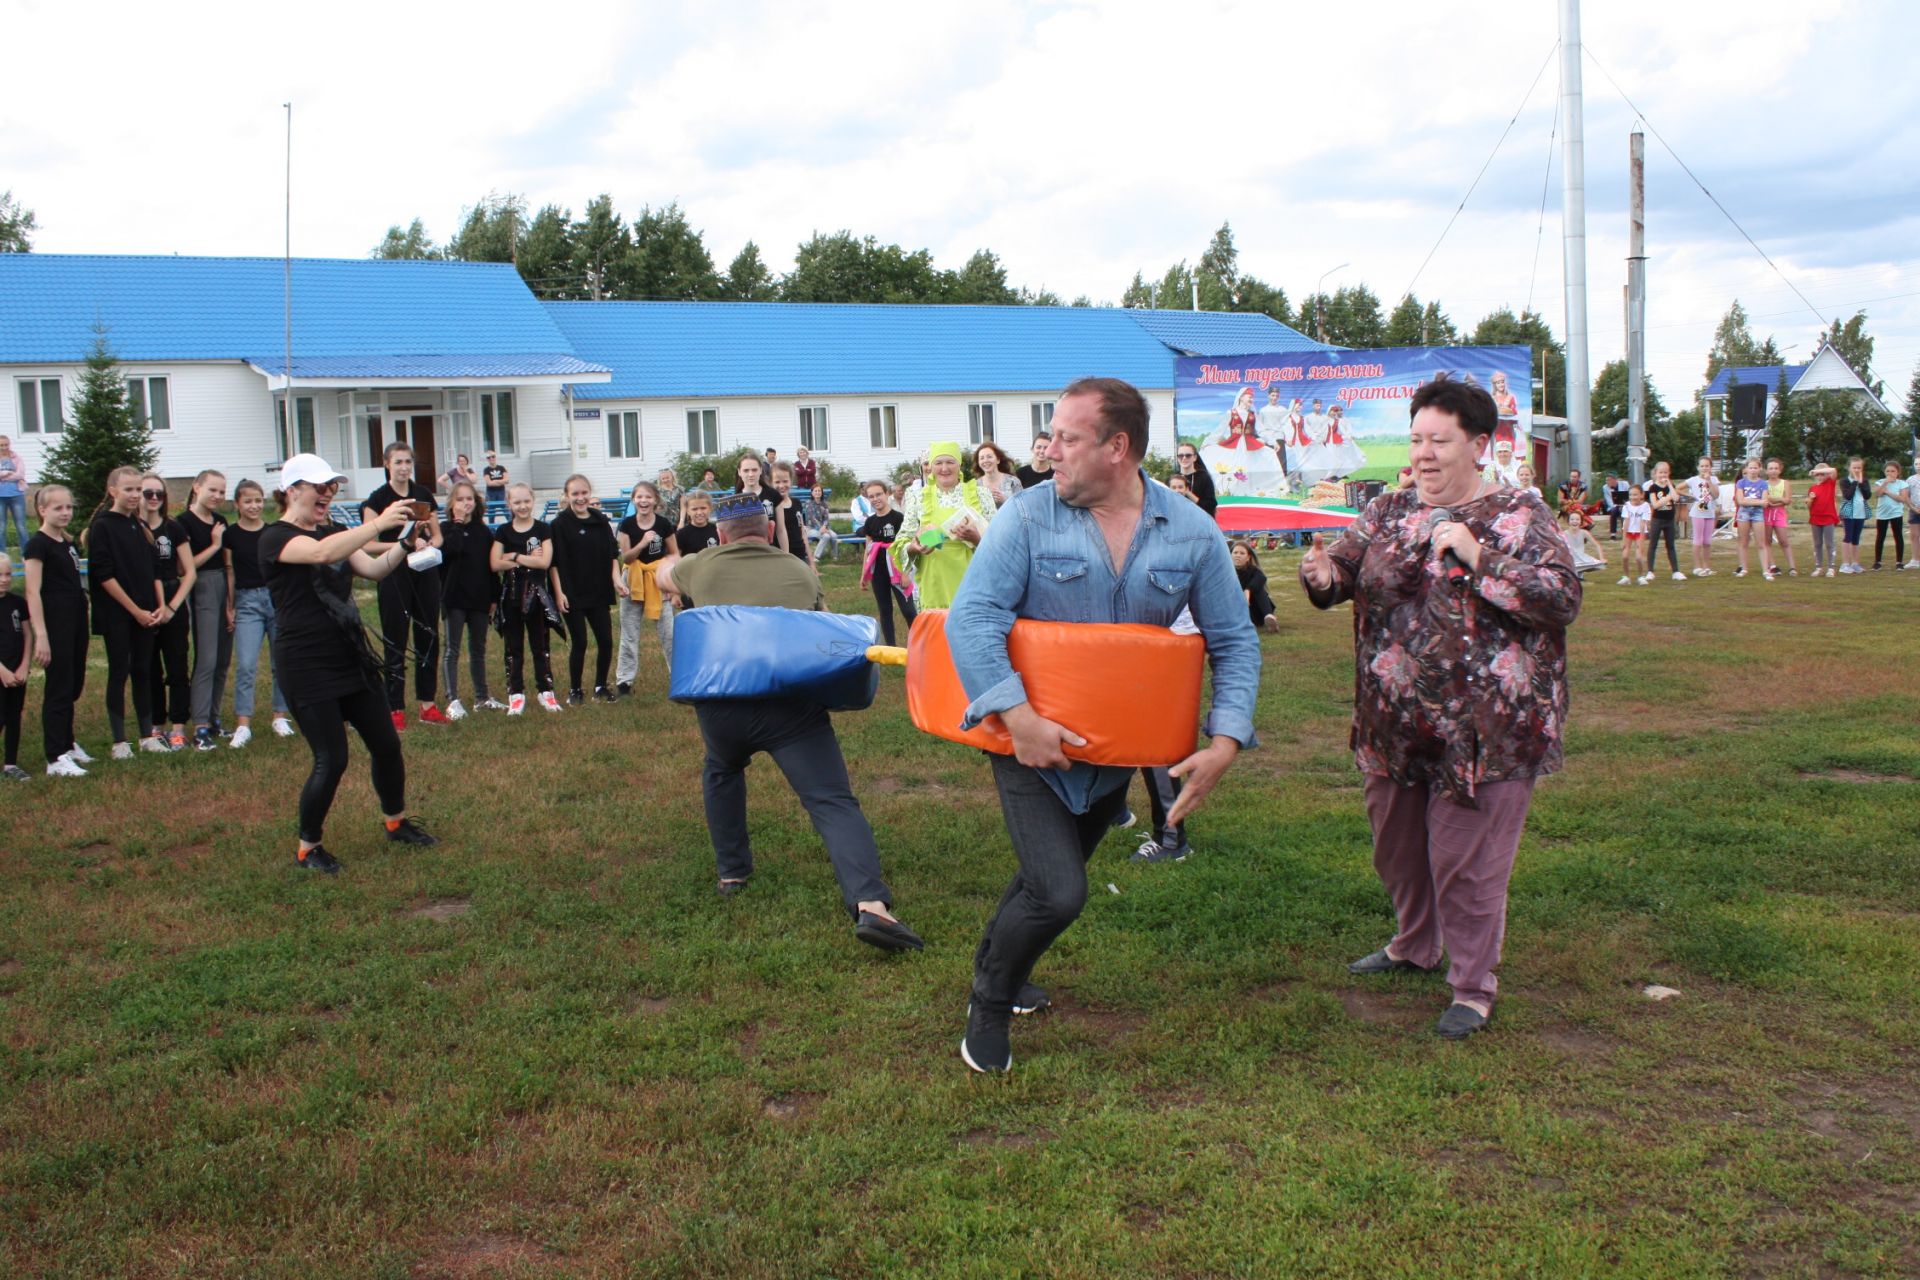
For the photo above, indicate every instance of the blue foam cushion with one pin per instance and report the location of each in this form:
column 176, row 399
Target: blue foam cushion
column 731, row 651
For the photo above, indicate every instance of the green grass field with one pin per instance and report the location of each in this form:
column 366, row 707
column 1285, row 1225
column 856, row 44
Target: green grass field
column 546, row 1048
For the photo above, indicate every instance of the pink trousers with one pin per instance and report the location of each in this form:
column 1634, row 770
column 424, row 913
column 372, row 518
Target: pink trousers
column 1446, row 868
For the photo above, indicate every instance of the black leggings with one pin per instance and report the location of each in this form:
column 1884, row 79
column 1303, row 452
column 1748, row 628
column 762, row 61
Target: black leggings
column 67, row 638
column 410, row 615
column 884, row 594
column 13, row 705
column 172, row 681
column 323, row 722
column 472, row 623
column 129, row 657
column 1662, row 529
column 1880, row 540
column 524, row 630
column 579, row 618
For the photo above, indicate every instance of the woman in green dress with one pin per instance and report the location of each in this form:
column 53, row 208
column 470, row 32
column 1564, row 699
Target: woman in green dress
column 944, row 522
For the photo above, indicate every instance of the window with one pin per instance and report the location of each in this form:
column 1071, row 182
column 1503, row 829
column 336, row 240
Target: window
column 813, row 427
column 979, row 423
column 1042, row 415
column 39, row 405
column 623, row 434
column 303, row 441
column 496, row 421
column 883, row 424
column 148, row 399
column 703, row 431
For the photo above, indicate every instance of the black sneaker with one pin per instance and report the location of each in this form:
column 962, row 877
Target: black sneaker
column 1124, row 819
column 1032, row 999
column 206, row 738
column 318, row 859
column 986, row 1047
column 576, row 698
column 1155, row 851
column 625, row 688
column 603, row 694
column 411, row 832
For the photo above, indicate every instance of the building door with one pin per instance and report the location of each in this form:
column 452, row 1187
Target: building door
column 426, row 469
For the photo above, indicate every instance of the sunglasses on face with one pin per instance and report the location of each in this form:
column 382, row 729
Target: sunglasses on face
column 154, row 495
column 328, row 489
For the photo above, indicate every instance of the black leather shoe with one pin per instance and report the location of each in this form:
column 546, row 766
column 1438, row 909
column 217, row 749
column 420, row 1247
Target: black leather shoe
column 1031, row 999
column 888, row 935
column 986, row 1047
column 1381, row 962
column 1459, row 1022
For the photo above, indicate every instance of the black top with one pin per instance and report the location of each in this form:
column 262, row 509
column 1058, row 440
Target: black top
column 495, row 476
column 13, row 631
column 690, row 539
column 168, row 539
column 200, row 535
column 386, row 495
column 118, row 550
column 796, row 530
column 1202, row 485
column 466, row 569
column 637, row 537
column 59, row 567
column 316, row 654
column 883, row 528
column 243, row 555
column 1656, row 491
column 523, row 542
column 1254, row 581
column 583, row 552
column 1028, row 477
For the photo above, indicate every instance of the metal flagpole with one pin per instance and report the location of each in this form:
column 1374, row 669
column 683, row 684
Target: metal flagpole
column 1573, row 198
column 1637, row 310
column 292, row 436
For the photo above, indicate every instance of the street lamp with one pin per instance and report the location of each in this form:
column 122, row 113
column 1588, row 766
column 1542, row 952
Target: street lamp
column 1319, row 302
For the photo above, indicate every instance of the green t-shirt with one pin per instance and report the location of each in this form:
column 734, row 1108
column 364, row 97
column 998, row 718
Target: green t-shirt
column 751, row 573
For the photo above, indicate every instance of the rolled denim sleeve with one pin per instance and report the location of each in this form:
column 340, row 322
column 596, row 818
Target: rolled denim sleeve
column 1233, row 648
column 981, row 617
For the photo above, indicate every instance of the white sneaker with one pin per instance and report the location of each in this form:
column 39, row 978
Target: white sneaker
column 64, row 767
column 1645, row 578
column 1624, row 580
column 241, row 736
column 78, row 754
column 1699, row 573
column 1829, row 573
column 489, row 704
column 283, row 727
column 516, row 703
column 455, row 711
column 1679, row 577
column 550, row 702
column 155, row 744
column 122, row 751
column 1913, row 564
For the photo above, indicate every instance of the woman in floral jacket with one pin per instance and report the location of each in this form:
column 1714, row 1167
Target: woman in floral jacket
column 1460, row 690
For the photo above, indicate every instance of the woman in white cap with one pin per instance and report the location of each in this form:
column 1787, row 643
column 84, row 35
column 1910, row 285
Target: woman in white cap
column 325, row 666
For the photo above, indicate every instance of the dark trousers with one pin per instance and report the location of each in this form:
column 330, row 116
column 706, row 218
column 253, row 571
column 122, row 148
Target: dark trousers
column 521, row 631
column 323, row 722
column 13, row 705
column 1163, row 792
column 579, row 619
column 67, row 638
column 212, row 644
column 172, row 680
column 1613, row 522
column 1880, row 541
column 410, row 615
column 1658, row 529
column 472, row 622
column 1052, row 845
column 884, row 594
column 129, row 658
column 799, row 737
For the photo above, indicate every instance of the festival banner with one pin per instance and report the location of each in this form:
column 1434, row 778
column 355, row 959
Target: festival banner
column 1274, row 425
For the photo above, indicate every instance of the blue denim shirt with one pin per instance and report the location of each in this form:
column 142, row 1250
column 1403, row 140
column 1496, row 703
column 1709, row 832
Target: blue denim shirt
column 1046, row 560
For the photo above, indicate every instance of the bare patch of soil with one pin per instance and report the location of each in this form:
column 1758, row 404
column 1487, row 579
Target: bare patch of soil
column 791, row 1106
column 1001, row 1138
column 441, row 909
column 1585, row 1046
column 486, row 1254
column 1857, row 777
column 1378, row 1009
column 654, row 1005
column 1106, row 1023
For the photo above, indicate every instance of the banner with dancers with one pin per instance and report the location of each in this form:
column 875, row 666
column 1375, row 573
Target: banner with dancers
column 1273, row 425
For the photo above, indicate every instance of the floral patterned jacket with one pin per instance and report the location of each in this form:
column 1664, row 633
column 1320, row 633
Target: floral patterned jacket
column 1455, row 685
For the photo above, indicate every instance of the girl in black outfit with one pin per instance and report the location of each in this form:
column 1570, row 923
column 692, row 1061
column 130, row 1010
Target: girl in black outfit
column 16, row 644
column 1253, row 583
column 57, row 604
column 881, row 528
column 523, row 551
column 471, row 591
column 750, row 476
column 586, row 579
column 212, row 604
column 127, row 608
column 172, row 681
column 646, row 543
column 410, row 601
column 323, row 661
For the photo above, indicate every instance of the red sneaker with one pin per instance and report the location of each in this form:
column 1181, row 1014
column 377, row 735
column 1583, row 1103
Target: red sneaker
column 433, row 715
column 399, row 722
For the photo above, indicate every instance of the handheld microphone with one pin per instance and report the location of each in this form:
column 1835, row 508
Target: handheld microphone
column 1455, row 568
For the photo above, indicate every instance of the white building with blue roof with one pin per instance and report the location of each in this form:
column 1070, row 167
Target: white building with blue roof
column 1827, row 371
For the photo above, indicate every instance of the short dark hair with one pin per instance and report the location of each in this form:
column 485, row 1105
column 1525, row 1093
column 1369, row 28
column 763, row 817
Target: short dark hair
column 1473, row 406
column 1122, row 409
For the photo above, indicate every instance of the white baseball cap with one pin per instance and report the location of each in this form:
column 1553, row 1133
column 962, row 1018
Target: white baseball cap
column 307, row 468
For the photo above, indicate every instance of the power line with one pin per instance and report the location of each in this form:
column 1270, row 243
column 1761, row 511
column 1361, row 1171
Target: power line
column 1540, row 230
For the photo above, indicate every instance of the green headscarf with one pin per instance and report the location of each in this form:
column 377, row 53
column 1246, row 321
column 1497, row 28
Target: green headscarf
column 945, row 449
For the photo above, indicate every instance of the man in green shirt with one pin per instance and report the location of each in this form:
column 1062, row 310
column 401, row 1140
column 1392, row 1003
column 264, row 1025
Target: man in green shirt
column 745, row 569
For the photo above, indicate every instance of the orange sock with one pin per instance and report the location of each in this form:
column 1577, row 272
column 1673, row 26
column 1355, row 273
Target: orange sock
column 393, row 824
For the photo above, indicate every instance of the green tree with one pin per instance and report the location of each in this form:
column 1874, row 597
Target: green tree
column 1835, row 425
column 1040, row 298
column 842, row 268
column 601, row 249
column 1855, row 345
column 413, row 242
column 983, row 280
column 1610, row 406
column 1257, row 297
column 1175, row 290
column 1348, row 317
column 546, row 255
column 491, row 231
column 17, row 225
column 669, row 258
column 748, row 279
column 1783, row 437
column 1734, row 346
column 1911, row 419
column 103, row 434
column 1219, row 273
column 1138, row 292
column 1529, row 328
column 1677, row 440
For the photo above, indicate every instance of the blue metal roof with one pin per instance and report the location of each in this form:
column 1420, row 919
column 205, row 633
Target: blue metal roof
column 1222, row 333
column 1767, row 376
column 700, row 349
column 173, row 308
column 436, row 368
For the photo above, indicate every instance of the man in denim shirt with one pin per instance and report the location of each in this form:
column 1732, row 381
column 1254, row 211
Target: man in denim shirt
column 1103, row 543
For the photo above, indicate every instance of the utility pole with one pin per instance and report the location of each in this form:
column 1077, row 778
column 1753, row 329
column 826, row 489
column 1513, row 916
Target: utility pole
column 1573, row 238
column 1637, row 309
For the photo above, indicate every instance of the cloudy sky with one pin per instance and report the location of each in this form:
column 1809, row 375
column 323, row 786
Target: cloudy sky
column 1079, row 141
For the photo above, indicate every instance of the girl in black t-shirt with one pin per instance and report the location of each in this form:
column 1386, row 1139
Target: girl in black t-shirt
column 888, row 583
column 410, row 601
column 211, row 604
column 523, row 552
column 751, row 477
column 16, row 646
column 173, row 561
column 695, row 536
column 586, row 581
column 127, row 608
column 57, row 605
column 1253, row 585
column 323, row 660
column 252, row 616
column 786, row 515
column 646, row 541
column 471, row 592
